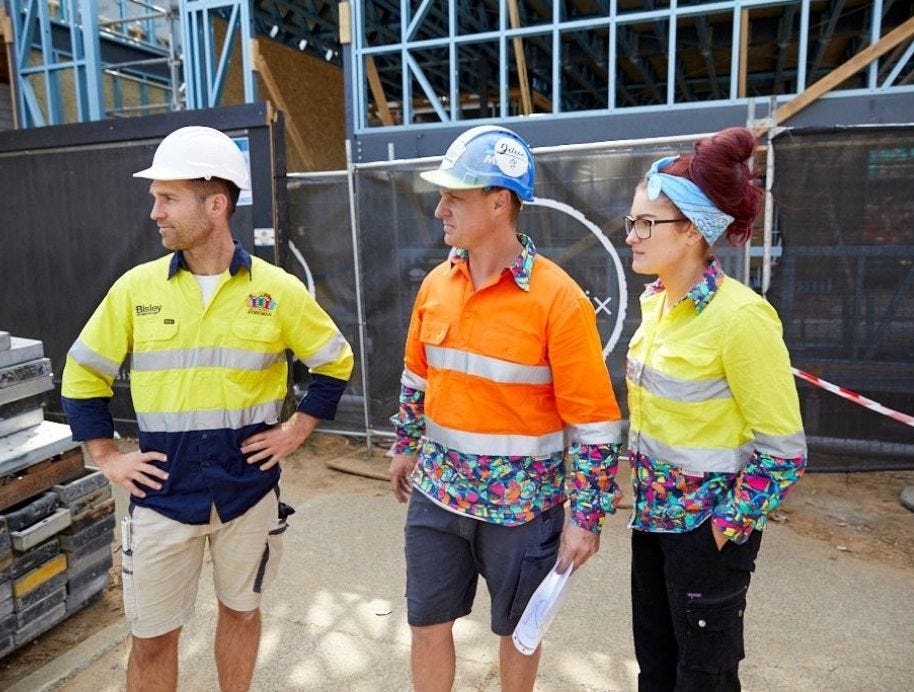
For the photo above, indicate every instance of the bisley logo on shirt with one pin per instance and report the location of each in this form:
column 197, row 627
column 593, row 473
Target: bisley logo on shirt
column 264, row 304
column 148, row 309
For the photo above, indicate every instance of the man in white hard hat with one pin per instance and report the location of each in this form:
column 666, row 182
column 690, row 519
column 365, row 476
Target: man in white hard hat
column 206, row 330
column 504, row 385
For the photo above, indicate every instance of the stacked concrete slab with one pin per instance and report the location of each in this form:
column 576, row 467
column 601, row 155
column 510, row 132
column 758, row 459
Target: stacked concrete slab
column 56, row 518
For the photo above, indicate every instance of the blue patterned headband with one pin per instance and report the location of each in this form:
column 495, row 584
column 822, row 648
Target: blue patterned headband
column 710, row 221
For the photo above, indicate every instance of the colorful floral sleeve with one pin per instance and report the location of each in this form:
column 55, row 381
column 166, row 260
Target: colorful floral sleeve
column 410, row 420
column 594, row 492
column 761, row 487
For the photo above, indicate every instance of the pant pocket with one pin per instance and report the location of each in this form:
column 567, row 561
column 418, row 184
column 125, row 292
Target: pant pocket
column 714, row 632
column 272, row 556
column 534, row 567
column 127, row 581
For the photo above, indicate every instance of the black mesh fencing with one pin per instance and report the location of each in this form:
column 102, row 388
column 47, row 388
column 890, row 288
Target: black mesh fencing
column 843, row 285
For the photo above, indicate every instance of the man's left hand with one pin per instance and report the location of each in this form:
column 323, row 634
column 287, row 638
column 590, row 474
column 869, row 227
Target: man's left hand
column 273, row 445
column 577, row 546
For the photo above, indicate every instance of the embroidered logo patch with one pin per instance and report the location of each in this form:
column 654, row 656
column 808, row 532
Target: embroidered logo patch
column 261, row 305
column 148, row 309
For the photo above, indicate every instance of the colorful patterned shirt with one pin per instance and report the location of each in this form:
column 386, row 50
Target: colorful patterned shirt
column 508, row 490
column 666, row 499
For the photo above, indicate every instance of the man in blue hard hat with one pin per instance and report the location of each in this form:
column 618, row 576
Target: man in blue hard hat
column 504, row 384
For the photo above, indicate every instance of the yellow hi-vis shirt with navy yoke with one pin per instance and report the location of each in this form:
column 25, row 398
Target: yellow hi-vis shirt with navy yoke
column 204, row 378
column 707, row 390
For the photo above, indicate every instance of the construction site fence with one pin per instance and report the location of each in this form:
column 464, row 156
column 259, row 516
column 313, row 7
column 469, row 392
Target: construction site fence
column 834, row 254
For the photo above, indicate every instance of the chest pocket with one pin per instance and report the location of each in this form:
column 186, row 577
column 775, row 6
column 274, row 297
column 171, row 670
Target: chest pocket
column 433, row 332
column 512, row 345
column 153, row 334
column 260, row 330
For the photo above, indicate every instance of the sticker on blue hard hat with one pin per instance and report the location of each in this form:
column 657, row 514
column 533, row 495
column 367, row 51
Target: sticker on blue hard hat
column 510, row 157
column 453, row 154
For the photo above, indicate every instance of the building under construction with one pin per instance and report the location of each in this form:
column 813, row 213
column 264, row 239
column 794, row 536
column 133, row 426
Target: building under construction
column 338, row 105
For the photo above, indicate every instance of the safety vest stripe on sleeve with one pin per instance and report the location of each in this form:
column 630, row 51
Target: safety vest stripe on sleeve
column 494, row 369
column 595, row 433
column 412, row 380
column 212, row 419
column 693, row 460
column 93, row 360
column 784, row 446
column 327, row 353
column 495, row 444
column 674, row 388
column 184, row 359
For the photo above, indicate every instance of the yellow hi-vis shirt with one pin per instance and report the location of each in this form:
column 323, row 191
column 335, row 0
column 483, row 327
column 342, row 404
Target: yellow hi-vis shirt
column 707, row 389
column 202, row 379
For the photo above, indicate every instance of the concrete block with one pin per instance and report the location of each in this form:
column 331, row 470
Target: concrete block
column 36, row 610
column 25, row 379
column 4, row 341
column 36, row 533
column 87, row 561
column 74, row 542
column 87, row 550
column 40, row 592
column 31, row 558
column 30, row 512
column 90, row 575
column 28, row 447
column 7, row 645
column 27, row 406
column 6, row 607
column 88, row 593
column 88, row 502
column 79, row 487
column 90, row 517
column 6, row 589
column 20, row 351
column 20, row 422
column 7, row 625
column 40, row 625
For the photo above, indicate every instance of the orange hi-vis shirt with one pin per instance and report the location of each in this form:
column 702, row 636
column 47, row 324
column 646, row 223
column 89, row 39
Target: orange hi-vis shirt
column 512, row 386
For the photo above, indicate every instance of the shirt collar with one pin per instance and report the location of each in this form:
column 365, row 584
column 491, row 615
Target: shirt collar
column 702, row 293
column 520, row 270
column 240, row 259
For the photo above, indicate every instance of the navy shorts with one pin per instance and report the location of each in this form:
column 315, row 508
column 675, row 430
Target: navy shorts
column 446, row 552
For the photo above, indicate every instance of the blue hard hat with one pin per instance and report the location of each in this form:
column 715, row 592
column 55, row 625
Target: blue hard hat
column 486, row 156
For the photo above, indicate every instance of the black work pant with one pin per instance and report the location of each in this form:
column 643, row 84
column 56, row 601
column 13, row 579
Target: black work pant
column 688, row 601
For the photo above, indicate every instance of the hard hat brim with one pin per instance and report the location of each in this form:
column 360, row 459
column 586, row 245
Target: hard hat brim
column 163, row 173
column 448, row 180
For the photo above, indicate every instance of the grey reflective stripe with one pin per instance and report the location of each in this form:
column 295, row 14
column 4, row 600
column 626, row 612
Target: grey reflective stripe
column 412, row 380
column 674, row 388
column 502, row 445
column 188, row 358
column 328, row 353
column 693, row 460
column 93, row 360
column 494, row 369
column 213, row 419
column 595, row 433
column 785, row 446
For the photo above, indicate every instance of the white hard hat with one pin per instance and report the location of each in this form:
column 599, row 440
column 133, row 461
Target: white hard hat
column 196, row 152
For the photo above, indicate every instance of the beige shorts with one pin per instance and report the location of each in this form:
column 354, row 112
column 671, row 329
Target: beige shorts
column 162, row 560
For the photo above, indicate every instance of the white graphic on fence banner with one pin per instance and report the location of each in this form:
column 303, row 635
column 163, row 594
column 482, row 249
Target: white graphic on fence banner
column 601, row 305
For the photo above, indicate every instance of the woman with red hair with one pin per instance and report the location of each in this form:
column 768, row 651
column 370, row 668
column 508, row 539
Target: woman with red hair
column 716, row 438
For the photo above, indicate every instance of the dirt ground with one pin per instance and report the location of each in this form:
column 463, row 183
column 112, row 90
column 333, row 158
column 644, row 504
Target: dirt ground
column 859, row 513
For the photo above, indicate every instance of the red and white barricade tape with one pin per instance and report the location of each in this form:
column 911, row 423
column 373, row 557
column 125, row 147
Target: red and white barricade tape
column 856, row 398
